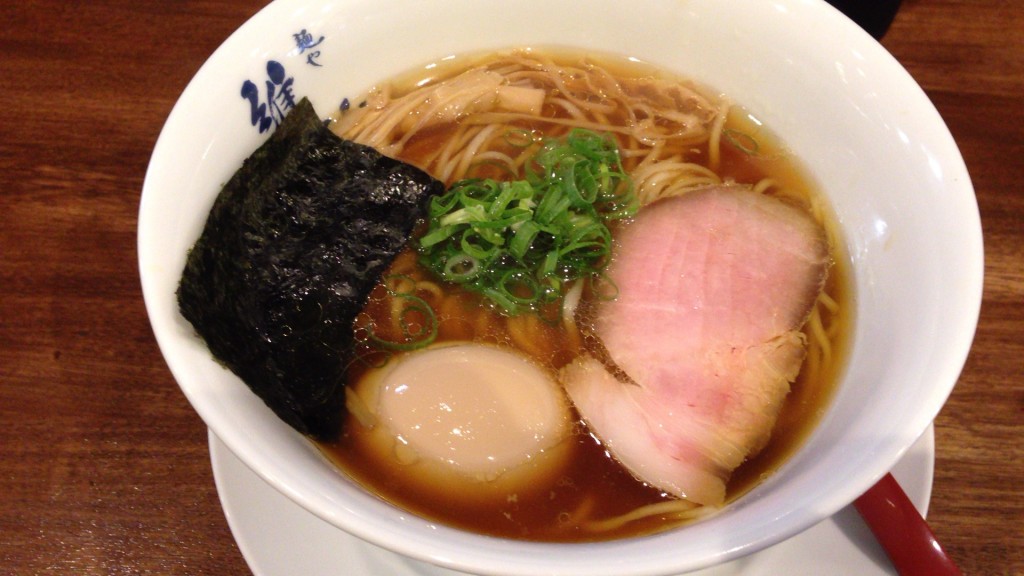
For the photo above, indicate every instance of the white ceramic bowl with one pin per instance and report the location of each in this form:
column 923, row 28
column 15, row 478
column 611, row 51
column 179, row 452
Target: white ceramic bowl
column 863, row 128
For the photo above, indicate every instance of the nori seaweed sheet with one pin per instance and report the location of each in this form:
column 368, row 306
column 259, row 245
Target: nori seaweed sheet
column 292, row 247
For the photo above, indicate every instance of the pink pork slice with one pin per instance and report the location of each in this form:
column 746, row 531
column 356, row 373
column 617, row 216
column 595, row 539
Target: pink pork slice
column 713, row 288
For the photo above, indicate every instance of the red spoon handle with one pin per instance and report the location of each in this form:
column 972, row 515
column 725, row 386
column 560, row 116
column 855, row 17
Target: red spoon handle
column 902, row 531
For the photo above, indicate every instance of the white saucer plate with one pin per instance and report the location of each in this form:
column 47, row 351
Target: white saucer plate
column 278, row 537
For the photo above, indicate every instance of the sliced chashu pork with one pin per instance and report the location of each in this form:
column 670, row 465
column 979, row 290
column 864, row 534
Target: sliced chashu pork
column 713, row 288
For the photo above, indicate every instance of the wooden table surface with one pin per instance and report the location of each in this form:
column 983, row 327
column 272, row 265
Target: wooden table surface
column 105, row 467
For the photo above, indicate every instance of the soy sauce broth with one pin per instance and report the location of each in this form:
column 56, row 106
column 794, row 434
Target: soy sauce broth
column 588, row 483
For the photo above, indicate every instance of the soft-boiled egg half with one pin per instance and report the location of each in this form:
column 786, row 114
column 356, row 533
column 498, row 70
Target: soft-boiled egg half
column 482, row 412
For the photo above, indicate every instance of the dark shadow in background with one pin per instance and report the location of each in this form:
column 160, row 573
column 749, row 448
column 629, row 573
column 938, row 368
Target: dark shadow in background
column 874, row 16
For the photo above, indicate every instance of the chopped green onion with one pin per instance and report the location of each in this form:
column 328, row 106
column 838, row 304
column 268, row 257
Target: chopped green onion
column 741, row 140
column 521, row 243
column 520, row 138
column 461, row 267
column 416, row 332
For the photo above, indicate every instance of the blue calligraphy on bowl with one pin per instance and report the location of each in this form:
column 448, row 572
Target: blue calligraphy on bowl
column 269, row 106
column 304, row 41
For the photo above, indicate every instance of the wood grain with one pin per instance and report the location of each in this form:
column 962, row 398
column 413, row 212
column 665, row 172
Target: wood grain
column 105, row 466
column 969, row 58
